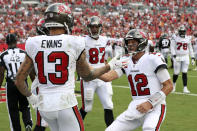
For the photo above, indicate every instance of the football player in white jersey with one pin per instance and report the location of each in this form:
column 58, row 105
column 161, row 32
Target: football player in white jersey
column 149, row 82
column 173, row 36
column 181, row 48
column 95, row 45
column 108, row 48
column 41, row 124
column 56, row 58
column 195, row 47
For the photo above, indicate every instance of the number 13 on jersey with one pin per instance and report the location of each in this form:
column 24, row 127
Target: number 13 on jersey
column 51, row 58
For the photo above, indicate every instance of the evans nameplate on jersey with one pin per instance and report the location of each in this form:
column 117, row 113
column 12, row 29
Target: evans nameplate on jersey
column 51, row 44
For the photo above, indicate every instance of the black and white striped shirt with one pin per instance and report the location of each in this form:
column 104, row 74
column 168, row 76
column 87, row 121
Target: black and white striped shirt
column 11, row 59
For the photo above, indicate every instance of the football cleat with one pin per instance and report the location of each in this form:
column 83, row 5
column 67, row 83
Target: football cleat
column 174, row 87
column 185, row 90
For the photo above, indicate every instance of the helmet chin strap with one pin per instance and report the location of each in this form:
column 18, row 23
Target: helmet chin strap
column 66, row 26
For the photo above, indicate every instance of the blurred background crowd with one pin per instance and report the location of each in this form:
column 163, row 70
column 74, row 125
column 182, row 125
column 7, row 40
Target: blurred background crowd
column 118, row 16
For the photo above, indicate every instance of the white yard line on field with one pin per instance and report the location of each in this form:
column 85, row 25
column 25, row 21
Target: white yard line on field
column 179, row 93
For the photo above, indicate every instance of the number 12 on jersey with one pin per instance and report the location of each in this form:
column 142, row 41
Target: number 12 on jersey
column 141, row 81
column 51, row 58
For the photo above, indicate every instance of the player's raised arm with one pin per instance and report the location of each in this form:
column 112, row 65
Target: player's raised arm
column 172, row 47
column 111, row 75
column 88, row 73
column 22, row 74
column 191, row 51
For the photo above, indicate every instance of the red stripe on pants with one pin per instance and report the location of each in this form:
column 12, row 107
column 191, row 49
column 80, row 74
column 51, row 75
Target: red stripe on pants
column 79, row 118
column 161, row 117
column 38, row 119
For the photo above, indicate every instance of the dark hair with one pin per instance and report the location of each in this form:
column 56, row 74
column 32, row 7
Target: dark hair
column 11, row 38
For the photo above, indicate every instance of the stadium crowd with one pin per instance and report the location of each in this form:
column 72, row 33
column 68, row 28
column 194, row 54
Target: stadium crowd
column 154, row 16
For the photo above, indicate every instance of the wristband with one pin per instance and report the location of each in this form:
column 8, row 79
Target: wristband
column 156, row 98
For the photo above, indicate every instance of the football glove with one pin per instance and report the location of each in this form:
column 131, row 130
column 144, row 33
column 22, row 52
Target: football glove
column 33, row 100
column 116, row 63
column 178, row 58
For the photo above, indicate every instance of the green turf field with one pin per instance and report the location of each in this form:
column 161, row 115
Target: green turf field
column 181, row 108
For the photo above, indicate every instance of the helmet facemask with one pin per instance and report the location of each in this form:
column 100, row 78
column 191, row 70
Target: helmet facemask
column 182, row 31
column 94, row 34
column 140, row 46
column 41, row 28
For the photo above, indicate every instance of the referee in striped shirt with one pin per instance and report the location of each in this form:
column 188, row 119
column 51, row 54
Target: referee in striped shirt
column 10, row 61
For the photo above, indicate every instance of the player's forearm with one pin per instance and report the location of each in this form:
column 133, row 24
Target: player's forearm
column 20, row 82
column 109, row 76
column 105, row 77
column 167, row 87
column 95, row 73
column 172, row 47
column 22, row 74
column 22, row 87
column 32, row 75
